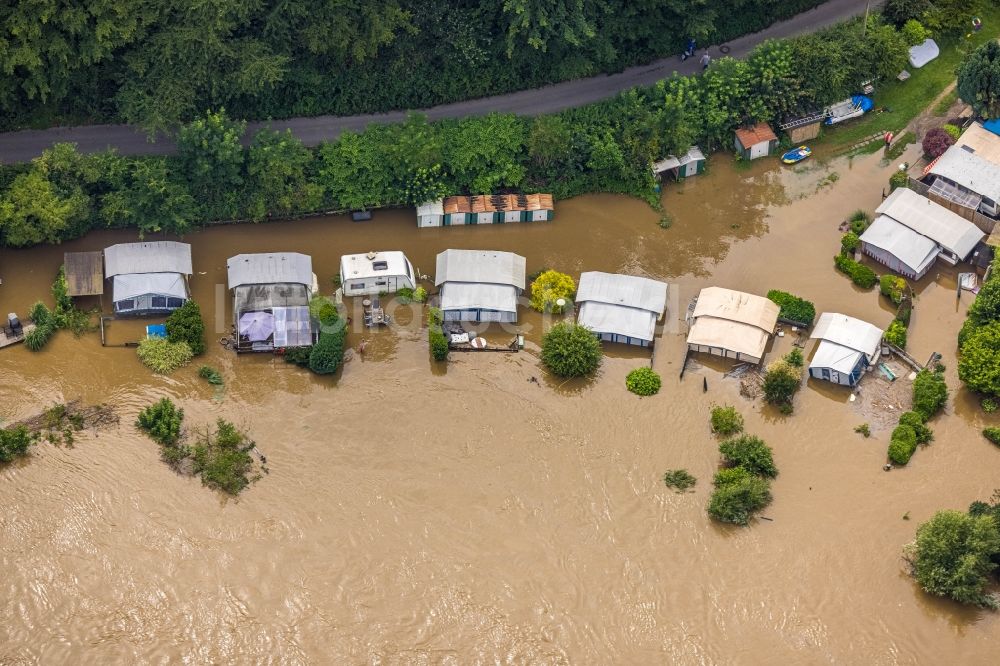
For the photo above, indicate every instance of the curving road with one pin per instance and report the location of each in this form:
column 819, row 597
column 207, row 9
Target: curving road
column 25, row 145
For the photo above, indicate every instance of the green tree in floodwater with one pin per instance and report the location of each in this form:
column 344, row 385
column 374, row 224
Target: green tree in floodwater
column 979, row 80
column 952, row 556
column 571, row 350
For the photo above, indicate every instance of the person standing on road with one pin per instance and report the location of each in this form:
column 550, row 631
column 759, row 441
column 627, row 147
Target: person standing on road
column 705, row 60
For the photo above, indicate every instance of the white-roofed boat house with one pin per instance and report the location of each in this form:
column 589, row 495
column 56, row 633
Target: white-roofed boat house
column 911, row 231
column 479, row 285
column 271, row 294
column 732, row 324
column 376, row 273
column 847, row 346
column 148, row 278
column 620, row 308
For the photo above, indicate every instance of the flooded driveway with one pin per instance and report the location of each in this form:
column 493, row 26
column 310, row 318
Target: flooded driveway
column 415, row 515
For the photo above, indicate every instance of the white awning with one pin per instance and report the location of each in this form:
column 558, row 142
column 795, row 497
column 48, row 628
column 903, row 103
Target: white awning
column 928, row 218
column 273, row 268
column 624, row 290
column 618, row 319
column 140, row 284
column 849, row 333
column 732, row 335
column 481, row 266
column 835, row 357
column 478, row 296
column 152, row 257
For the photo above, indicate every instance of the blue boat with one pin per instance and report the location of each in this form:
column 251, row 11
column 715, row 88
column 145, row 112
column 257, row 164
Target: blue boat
column 796, row 154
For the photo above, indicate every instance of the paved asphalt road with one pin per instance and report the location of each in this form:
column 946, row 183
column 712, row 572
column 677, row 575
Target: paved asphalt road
column 24, row 145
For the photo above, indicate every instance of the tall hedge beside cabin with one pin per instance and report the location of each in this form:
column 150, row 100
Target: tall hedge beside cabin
column 860, row 274
column 186, row 325
column 571, row 350
column 792, row 307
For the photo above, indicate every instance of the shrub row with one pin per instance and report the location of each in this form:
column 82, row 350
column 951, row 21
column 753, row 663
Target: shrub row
column 792, row 307
column 860, row 274
column 930, row 393
column 742, row 487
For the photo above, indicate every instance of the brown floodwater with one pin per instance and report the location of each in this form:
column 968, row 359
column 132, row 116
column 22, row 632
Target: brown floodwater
column 416, row 514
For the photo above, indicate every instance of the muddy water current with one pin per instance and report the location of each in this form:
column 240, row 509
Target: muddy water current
column 417, row 514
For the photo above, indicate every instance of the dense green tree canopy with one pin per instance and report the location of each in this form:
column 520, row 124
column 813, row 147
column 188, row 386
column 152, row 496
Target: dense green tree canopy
column 979, row 80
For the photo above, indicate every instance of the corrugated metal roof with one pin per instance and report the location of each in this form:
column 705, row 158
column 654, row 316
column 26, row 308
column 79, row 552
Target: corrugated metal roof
column 605, row 318
column 913, row 249
column 275, row 268
column 949, row 230
column 835, row 357
column 622, row 290
column 848, row 332
column 489, row 203
column 153, row 257
column 970, row 171
column 984, row 143
column 133, row 285
column 476, row 296
column 431, row 208
column 737, row 306
column 483, row 266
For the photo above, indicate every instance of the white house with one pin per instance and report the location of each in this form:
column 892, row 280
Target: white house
column 148, row 278
column 847, row 346
column 271, row 293
column 968, row 173
column 479, row 285
column 732, row 324
column 376, row 273
column 620, row 308
column 911, row 231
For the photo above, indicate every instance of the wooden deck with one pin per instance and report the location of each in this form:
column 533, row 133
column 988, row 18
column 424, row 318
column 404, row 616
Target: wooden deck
column 84, row 273
column 7, row 338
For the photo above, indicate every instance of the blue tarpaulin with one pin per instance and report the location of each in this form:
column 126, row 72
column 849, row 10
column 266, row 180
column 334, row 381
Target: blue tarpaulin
column 156, row 330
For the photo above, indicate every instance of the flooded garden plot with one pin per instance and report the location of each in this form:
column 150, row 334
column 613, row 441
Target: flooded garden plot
column 417, row 512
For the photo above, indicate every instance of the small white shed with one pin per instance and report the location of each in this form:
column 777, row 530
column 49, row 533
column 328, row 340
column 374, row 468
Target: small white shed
column 847, row 346
column 430, row 214
column 621, row 308
column 376, row 273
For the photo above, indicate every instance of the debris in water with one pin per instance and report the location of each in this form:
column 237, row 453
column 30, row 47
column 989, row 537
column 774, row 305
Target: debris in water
column 887, row 467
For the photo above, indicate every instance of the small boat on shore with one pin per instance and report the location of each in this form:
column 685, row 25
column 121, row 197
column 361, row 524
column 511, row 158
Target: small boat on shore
column 796, row 154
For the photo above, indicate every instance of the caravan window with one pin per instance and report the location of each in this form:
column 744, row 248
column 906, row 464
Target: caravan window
column 380, row 265
column 175, row 302
column 407, row 264
column 357, row 285
column 159, row 301
column 128, row 304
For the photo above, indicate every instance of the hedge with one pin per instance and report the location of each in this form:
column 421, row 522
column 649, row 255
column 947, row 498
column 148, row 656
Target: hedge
column 902, row 444
column 860, row 274
column 792, row 307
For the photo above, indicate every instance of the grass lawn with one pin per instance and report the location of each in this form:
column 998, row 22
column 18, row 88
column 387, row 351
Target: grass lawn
column 907, row 99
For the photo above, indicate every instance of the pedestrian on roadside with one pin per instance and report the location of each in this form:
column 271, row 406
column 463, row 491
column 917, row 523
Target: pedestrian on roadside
column 705, row 60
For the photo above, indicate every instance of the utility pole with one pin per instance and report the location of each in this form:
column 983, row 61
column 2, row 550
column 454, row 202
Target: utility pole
column 864, row 28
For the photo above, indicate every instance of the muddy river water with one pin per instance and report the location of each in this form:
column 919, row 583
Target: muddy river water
column 416, row 514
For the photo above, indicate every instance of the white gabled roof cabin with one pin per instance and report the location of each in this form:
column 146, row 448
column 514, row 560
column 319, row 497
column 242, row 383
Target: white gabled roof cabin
column 148, row 278
column 480, row 285
column 732, row 324
column 271, row 293
column 847, row 347
column 620, row 308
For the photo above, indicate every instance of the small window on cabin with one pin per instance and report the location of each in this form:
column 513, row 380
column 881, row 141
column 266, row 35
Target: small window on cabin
column 159, row 301
column 381, row 282
column 357, row 285
column 128, row 304
column 407, row 264
column 175, row 302
column 380, row 265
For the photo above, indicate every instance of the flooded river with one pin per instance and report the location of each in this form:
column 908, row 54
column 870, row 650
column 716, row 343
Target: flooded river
column 419, row 515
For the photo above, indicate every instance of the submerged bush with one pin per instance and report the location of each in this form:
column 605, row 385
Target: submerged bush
column 679, row 479
column 920, row 429
column 898, row 179
column 326, row 355
column 420, row 295
column 548, row 288
column 570, row 350
column 162, row 356
column 992, row 434
column 436, row 337
column 781, row 381
column 38, row 337
column 792, row 307
column 726, row 421
column 186, row 325
column 979, row 361
column 643, row 381
column 298, row 355
column 930, row 393
column 750, row 453
column 162, row 422
column 223, row 458
column 14, row 443
column 404, row 295
column 738, row 499
column 211, row 375
column 849, row 243
column 954, row 555
column 895, row 335
column 860, row 274
column 892, row 287
column 902, row 444
column 859, row 221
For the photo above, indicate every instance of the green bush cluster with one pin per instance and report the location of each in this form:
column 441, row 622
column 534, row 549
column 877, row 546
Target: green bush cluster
column 570, row 350
column 679, row 479
column 892, row 287
column 860, row 274
column 783, row 380
column 979, row 339
column 955, row 553
column 404, row 295
column 47, row 322
column 436, row 338
column 849, row 243
column 860, row 220
column 14, row 443
column 643, row 381
column 210, row 375
column 792, row 307
column 895, row 335
column 742, row 488
column 606, row 146
column 326, row 355
column 222, row 458
column 186, row 325
column 898, row 179
column 726, row 421
column 992, row 434
column 162, row 356
column 298, row 355
column 162, row 422
column 930, row 393
column 902, row 444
